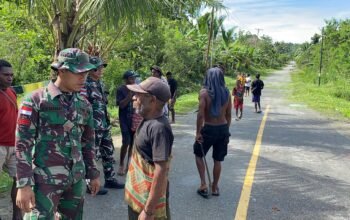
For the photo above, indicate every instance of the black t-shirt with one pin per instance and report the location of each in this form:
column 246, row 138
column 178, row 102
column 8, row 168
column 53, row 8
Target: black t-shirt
column 125, row 114
column 257, row 86
column 154, row 139
column 173, row 86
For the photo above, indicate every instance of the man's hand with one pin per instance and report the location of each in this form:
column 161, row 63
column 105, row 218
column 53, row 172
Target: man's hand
column 25, row 199
column 95, row 186
column 199, row 138
column 144, row 216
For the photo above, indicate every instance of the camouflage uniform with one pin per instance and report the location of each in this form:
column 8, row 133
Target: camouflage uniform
column 55, row 149
column 97, row 96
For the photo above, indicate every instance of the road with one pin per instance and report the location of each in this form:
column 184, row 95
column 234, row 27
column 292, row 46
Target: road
column 302, row 169
column 298, row 169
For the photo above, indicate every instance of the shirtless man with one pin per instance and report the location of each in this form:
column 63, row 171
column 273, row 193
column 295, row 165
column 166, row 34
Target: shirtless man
column 213, row 122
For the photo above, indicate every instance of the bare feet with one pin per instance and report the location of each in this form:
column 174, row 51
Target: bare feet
column 121, row 171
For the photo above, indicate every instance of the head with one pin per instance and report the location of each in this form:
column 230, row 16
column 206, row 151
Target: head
column 151, row 96
column 169, row 75
column 257, row 76
column 6, row 74
column 72, row 67
column 156, row 71
column 97, row 73
column 248, row 75
column 129, row 77
column 220, row 66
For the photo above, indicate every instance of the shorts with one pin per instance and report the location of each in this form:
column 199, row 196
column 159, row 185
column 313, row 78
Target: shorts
column 247, row 88
column 238, row 103
column 8, row 160
column 256, row 98
column 217, row 136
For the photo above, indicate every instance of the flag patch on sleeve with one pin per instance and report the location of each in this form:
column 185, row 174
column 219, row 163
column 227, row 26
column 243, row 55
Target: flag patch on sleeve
column 23, row 121
column 25, row 110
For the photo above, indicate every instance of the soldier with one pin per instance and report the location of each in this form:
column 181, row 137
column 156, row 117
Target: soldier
column 55, row 143
column 96, row 94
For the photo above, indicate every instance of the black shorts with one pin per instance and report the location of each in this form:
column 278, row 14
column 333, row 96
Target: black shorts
column 247, row 88
column 217, row 136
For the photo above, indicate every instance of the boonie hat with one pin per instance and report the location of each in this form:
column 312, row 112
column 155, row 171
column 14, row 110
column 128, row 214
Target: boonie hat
column 157, row 68
column 97, row 61
column 129, row 73
column 153, row 86
column 74, row 60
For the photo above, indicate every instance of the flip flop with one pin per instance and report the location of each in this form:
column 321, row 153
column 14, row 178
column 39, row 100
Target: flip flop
column 203, row 192
column 217, row 193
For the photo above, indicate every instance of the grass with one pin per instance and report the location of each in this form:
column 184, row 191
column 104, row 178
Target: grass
column 331, row 99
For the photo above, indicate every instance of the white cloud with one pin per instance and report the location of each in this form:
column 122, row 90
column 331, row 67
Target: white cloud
column 283, row 20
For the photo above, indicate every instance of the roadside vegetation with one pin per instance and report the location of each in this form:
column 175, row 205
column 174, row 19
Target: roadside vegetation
column 332, row 96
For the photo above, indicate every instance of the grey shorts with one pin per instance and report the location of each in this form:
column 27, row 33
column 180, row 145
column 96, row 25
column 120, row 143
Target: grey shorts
column 8, row 160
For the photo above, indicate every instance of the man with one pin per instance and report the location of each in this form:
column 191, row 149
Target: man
column 55, row 143
column 124, row 101
column 157, row 72
column 247, row 85
column 146, row 188
column 257, row 86
column 213, row 122
column 173, row 90
column 97, row 96
column 8, row 118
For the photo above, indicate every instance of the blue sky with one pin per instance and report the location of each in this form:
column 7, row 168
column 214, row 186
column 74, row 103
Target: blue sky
column 284, row 20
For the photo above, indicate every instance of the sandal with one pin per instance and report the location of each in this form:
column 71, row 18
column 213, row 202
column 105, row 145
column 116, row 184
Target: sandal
column 216, row 193
column 203, row 192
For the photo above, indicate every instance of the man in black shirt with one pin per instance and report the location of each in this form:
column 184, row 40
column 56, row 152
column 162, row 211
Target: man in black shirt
column 147, row 189
column 257, row 86
column 173, row 90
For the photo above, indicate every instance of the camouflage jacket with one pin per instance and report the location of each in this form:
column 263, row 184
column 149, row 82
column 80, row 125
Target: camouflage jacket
column 95, row 93
column 55, row 139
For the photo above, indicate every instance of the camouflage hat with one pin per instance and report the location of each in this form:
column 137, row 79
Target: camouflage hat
column 156, row 68
column 97, row 61
column 74, row 60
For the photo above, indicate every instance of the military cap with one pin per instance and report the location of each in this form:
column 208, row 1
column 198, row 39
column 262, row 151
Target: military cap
column 74, row 60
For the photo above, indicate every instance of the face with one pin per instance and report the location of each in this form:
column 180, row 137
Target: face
column 130, row 80
column 6, row 77
column 72, row 82
column 144, row 104
column 155, row 73
column 96, row 74
column 168, row 76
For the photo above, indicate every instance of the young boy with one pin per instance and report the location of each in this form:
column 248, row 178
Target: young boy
column 238, row 93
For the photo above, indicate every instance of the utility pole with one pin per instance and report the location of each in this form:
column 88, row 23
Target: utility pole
column 258, row 31
column 321, row 53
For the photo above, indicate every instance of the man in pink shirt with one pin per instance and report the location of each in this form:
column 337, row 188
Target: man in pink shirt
column 8, row 118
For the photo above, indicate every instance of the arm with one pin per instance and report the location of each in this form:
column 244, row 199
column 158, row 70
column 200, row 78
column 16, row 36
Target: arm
column 88, row 145
column 25, row 137
column 122, row 101
column 200, row 114
column 228, row 111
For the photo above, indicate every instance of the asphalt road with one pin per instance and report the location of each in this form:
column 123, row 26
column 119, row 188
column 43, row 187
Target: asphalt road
column 302, row 171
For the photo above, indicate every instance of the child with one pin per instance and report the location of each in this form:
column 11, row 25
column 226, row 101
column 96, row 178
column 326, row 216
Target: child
column 238, row 93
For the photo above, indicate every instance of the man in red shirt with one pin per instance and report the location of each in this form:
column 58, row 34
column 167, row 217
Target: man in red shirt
column 8, row 118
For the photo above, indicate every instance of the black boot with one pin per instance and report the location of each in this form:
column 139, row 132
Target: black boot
column 113, row 183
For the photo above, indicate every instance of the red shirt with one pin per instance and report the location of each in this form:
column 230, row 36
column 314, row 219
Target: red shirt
column 8, row 117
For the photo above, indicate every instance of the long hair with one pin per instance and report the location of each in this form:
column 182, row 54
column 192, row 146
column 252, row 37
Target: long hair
column 214, row 83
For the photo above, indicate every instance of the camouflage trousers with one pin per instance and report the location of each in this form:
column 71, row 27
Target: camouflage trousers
column 58, row 202
column 105, row 147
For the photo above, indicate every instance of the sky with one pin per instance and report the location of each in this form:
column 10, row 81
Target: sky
column 293, row 21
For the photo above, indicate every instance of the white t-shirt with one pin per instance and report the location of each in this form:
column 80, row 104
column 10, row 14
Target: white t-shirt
column 248, row 81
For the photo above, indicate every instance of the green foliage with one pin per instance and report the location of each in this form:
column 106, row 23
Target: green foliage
column 25, row 44
column 5, row 182
column 336, row 55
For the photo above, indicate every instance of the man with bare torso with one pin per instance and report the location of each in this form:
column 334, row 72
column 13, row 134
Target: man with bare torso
column 213, row 122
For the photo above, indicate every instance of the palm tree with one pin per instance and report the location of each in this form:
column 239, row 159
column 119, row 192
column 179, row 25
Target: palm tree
column 72, row 20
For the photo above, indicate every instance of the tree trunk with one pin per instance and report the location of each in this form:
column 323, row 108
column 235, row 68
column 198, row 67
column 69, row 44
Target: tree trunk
column 209, row 38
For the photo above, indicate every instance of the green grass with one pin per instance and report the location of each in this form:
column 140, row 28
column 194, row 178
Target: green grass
column 331, row 99
column 5, row 182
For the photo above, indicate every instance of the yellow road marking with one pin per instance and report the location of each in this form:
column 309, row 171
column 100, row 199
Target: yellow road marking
column 243, row 204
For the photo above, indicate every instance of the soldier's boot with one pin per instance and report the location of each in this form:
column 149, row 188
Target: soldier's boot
column 113, row 183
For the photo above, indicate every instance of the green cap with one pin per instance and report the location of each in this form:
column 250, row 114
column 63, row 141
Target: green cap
column 97, row 61
column 74, row 60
